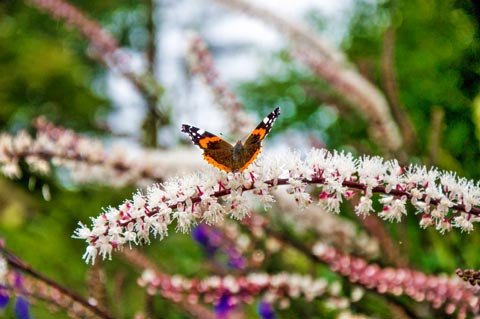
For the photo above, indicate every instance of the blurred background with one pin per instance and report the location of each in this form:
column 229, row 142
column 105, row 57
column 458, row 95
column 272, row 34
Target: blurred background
column 399, row 79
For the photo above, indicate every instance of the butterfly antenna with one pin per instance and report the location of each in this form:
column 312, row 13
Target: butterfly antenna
column 226, row 138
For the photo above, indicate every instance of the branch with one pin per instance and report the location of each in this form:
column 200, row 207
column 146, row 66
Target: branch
column 391, row 88
column 55, row 292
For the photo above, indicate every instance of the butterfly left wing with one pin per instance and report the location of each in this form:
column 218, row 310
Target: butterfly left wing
column 215, row 150
column 253, row 144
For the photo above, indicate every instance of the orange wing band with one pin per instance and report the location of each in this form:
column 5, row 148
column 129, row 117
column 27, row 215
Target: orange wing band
column 250, row 161
column 261, row 132
column 203, row 142
column 212, row 161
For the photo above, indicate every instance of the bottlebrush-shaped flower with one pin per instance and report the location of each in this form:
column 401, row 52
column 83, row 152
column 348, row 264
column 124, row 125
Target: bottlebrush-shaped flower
column 211, row 195
column 87, row 159
column 449, row 293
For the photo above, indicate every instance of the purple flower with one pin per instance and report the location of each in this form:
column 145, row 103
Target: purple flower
column 22, row 308
column 223, row 307
column 18, row 280
column 208, row 238
column 4, row 298
column 235, row 259
column 265, row 310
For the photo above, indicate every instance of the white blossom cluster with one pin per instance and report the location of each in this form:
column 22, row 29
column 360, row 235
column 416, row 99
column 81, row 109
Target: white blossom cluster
column 444, row 200
column 18, row 147
column 3, row 270
column 87, row 160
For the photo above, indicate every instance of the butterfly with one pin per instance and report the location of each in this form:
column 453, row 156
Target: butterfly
column 228, row 157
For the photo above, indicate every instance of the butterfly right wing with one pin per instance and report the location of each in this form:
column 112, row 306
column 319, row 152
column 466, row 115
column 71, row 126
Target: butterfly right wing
column 263, row 128
column 253, row 144
column 215, row 150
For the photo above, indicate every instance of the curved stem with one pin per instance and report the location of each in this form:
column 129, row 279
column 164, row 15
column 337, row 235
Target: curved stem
column 17, row 263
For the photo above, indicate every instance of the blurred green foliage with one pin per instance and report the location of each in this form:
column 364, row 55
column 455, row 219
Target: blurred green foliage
column 45, row 71
column 436, row 43
column 40, row 62
column 437, row 67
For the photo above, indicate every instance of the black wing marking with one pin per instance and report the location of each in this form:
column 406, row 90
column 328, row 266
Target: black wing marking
column 204, row 139
column 263, row 128
column 215, row 150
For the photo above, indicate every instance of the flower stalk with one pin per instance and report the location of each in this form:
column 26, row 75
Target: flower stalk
column 38, row 286
column 440, row 197
column 88, row 159
column 201, row 62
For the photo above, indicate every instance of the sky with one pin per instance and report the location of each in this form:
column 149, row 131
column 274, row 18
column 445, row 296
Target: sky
column 240, row 44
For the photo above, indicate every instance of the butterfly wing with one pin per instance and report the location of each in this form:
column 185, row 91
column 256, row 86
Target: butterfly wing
column 215, row 150
column 253, row 144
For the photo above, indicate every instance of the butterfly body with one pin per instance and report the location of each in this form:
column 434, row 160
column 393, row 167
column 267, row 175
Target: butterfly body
column 228, row 157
